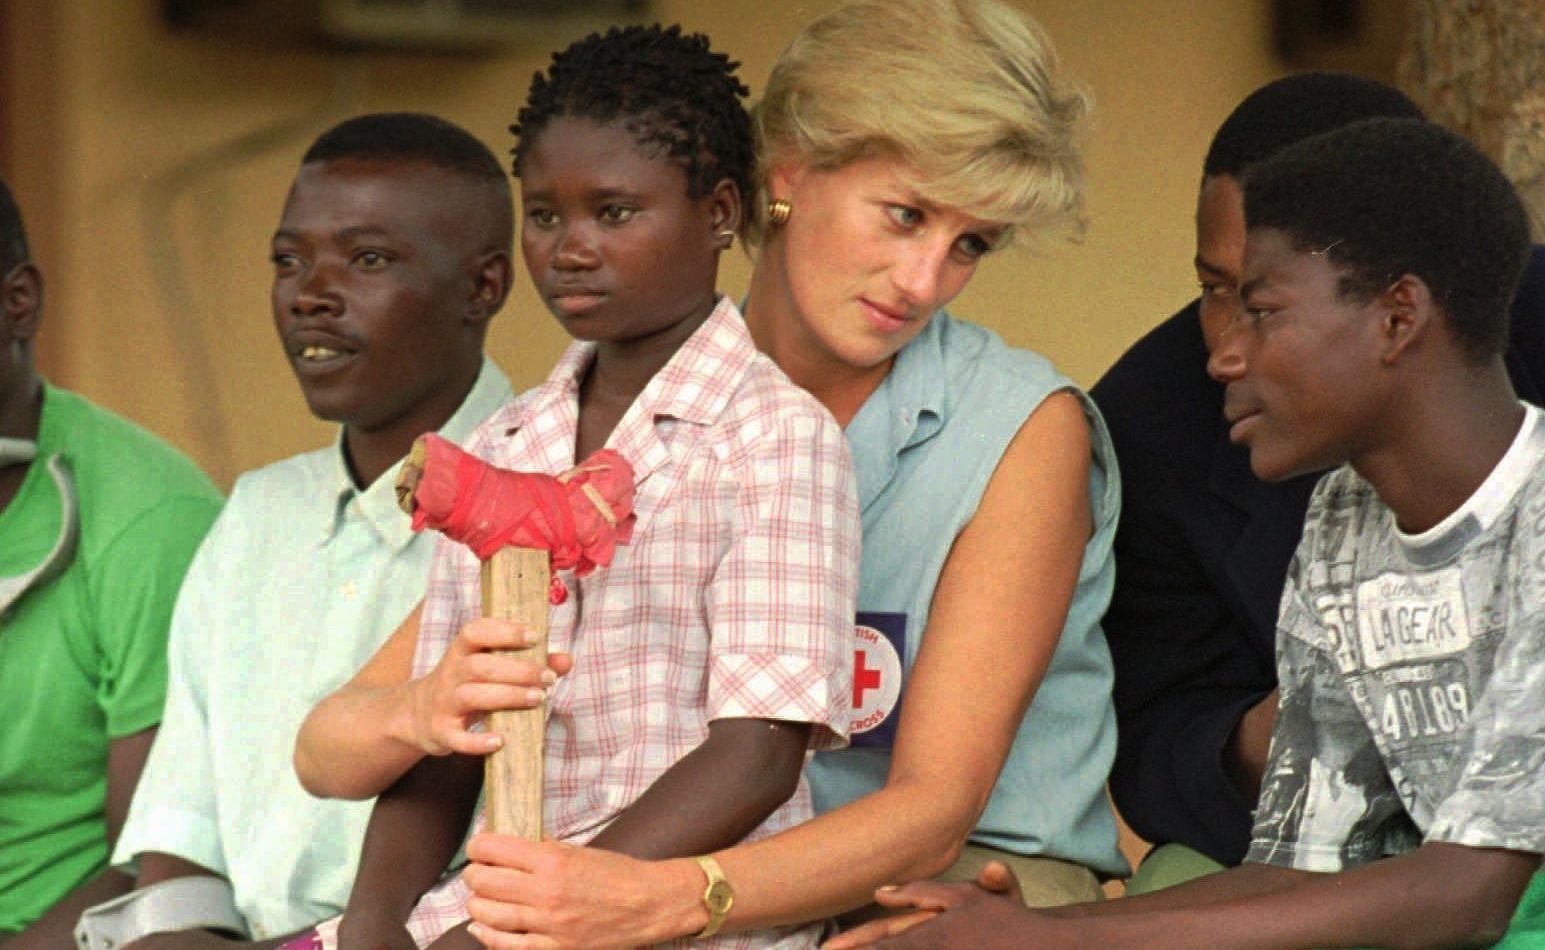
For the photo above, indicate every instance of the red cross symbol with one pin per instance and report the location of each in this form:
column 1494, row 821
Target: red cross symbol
column 864, row 678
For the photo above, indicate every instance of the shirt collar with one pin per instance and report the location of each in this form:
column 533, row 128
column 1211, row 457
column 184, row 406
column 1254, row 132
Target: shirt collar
column 700, row 378
column 1486, row 504
column 377, row 503
column 911, row 404
column 694, row 385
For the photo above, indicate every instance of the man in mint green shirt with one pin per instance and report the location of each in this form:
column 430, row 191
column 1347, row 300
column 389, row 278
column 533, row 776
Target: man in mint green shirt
column 391, row 255
column 98, row 521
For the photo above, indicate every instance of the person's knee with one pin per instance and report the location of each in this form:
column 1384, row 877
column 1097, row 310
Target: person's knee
column 1169, row 865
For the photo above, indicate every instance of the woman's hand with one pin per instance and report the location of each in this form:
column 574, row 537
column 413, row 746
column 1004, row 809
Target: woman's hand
column 473, row 678
column 528, row 894
column 995, row 878
column 990, row 909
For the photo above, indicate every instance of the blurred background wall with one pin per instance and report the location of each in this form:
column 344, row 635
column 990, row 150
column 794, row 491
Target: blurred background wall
column 152, row 158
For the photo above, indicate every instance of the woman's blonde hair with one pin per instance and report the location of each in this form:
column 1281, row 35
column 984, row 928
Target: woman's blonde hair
column 967, row 93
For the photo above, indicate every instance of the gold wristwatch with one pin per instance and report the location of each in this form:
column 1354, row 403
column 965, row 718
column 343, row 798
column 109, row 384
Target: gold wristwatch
column 718, row 897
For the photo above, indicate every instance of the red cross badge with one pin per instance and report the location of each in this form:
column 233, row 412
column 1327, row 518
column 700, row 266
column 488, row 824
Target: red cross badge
column 877, row 675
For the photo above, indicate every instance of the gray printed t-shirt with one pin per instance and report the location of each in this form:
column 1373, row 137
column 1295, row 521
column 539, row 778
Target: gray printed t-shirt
column 1412, row 670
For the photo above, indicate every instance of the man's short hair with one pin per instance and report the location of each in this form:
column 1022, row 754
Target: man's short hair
column 1383, row 198
column 407, row 137
column 415, row 137
column 1294, row 108
column 13, row 233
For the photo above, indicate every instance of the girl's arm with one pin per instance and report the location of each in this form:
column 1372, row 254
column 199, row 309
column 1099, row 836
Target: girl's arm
column 415, row 829
column 1000, row 605
column 714, row 795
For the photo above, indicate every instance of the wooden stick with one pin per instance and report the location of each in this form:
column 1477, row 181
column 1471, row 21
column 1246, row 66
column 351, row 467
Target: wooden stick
column 515, row 584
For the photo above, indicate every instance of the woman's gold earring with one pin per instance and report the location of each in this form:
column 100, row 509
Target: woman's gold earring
column 727, row 236
column 778, row 211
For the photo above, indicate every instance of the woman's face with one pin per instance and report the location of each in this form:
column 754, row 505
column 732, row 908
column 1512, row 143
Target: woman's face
column 866, row 261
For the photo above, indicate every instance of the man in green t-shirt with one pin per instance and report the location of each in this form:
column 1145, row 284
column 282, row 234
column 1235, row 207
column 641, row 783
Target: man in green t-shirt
column 98, row 521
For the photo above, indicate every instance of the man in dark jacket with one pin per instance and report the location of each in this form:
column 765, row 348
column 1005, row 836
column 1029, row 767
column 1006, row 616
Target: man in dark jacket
column 1203, row 545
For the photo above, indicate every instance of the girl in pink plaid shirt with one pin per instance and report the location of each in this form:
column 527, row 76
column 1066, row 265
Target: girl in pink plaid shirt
column 714, row 653
column 900, row 142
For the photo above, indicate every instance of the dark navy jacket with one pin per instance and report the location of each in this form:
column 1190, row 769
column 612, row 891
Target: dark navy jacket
column 1201, row 555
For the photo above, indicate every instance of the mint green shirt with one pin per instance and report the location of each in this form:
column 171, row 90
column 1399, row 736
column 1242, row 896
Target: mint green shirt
column 83, row 656
column 301, row 579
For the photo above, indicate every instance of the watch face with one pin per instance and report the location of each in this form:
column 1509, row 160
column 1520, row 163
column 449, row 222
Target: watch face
column 719, row 897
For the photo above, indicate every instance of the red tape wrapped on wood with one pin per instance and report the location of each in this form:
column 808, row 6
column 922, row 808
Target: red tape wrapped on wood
column 580, row 516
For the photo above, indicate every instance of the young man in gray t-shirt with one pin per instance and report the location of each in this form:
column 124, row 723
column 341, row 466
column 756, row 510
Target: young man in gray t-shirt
column 1404, row 797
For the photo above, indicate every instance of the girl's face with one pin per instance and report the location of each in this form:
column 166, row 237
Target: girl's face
column 613, row 243
column 865, row 261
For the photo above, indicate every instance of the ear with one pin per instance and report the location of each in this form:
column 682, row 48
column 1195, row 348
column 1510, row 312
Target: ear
column 724, row 213
column 491, row 285
column 1409, row 316
column 21, row 300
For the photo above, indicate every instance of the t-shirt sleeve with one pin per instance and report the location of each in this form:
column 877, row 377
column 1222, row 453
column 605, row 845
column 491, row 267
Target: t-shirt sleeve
column 1327, row 802
column 174, row 809
column 134, row 590
column 782, row 600
column 1279, row 810
column 1499, row 799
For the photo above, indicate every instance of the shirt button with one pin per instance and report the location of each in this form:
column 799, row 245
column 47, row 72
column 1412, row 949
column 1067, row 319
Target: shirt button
column 350, row 590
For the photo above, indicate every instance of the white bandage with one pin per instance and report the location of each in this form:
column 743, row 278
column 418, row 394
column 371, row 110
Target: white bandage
column 13, row 451
column 199, row 902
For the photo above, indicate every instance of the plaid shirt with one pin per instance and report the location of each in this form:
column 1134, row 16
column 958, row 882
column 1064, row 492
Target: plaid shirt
column 734, row 599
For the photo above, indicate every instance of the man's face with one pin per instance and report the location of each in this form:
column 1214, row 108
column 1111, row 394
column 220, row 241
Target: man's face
column 375, row 290
column 20, row 300
column 1301, row 364
column 1220, row 252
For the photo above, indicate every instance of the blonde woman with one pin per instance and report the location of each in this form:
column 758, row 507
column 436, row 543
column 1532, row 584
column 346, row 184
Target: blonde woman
column 900, row 142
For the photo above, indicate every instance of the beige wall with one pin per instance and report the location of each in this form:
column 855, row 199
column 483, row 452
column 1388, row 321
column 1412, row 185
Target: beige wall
column 153, row 164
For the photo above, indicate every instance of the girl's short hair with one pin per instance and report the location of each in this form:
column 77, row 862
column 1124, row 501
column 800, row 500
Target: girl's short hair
column 678, row 98
column 967, row 93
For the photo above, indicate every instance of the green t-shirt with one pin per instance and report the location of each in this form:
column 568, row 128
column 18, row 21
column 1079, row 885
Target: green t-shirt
column 1527, row 931
column 83, row 658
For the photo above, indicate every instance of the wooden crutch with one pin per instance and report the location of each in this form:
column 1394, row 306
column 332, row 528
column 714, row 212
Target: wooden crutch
column 521, row 526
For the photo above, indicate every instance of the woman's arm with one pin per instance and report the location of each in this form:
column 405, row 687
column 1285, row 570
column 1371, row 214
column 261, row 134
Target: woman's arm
column 359, row 740
column 368, row 733
column 1000, row 605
